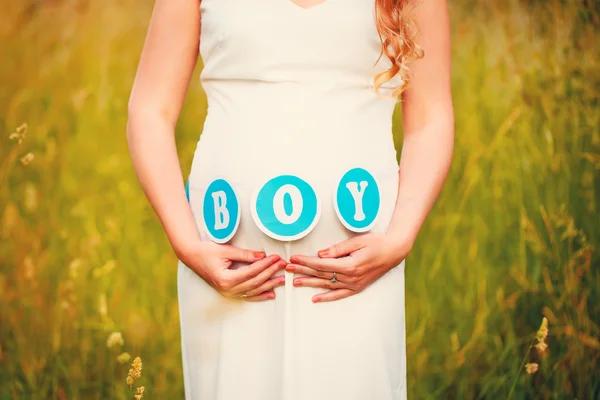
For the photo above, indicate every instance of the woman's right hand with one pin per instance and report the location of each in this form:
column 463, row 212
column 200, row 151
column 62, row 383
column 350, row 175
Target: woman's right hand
column 252, row 282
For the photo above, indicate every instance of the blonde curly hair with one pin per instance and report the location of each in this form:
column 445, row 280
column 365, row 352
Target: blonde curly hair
column 397, row 32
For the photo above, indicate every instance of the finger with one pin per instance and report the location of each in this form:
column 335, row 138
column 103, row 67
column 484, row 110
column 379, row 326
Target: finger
column 319, row 283
column 246, row 272
column 261, row 297
column 268, row 285
column 323, row 264
column 259, row 279
column 344, row 248
column 301, row 269
column 244, row 255
column 332, row 295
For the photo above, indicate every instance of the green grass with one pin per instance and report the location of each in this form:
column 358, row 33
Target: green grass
column 514, row 236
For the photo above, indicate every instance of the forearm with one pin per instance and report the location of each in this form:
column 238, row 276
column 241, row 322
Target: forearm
column 424, row 164
column 154, row 155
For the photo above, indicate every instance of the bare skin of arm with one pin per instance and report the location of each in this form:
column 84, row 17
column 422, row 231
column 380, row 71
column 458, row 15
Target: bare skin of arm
column 166, row 65
column 428, row 122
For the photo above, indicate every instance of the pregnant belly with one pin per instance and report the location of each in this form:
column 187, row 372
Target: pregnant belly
column 306, row 213
column 251, row 149
column 289, row 180
column 253, row 132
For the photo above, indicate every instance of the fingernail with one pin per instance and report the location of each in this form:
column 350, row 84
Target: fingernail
column 290, row 268
column 323, row 253
column 293, row 259
column 316, row 299
column 276, row 258
column 297, row 282
column 259, row 254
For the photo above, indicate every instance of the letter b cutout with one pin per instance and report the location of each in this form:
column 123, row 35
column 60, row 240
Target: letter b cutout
column 221, row 211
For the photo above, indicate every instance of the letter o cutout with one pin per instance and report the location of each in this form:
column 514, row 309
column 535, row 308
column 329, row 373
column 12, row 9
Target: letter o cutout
column 357, row 200
column 286, row 208
column 221, row 211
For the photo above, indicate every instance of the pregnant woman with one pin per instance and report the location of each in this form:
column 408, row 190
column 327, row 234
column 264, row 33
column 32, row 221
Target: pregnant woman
column 296, row 217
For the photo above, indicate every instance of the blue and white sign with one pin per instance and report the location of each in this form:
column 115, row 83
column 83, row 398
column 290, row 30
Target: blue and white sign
column 357, row 200
column 221, row 211
column 286, row 208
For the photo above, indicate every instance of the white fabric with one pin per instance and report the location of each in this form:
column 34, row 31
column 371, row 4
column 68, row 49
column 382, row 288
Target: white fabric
column 290, row 92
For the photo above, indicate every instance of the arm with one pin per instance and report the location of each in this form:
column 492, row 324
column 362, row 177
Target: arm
column 166, row 65
column 428, row 122
column 165, row 68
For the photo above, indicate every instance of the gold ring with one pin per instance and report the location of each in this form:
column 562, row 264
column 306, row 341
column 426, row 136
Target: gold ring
column 334, row 278
column 244, row 296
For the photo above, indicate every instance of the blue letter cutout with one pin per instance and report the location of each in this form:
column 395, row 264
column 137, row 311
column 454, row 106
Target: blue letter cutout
column 286, row 208
column 221, row 211
column 357, row 200
column 187, row 190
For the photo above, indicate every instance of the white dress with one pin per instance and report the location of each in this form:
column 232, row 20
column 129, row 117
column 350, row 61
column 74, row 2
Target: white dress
column 290, row 92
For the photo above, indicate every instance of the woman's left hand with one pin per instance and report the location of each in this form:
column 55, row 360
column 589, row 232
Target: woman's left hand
column 356, row 262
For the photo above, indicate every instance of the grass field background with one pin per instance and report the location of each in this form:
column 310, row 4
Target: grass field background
column 514, row 237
